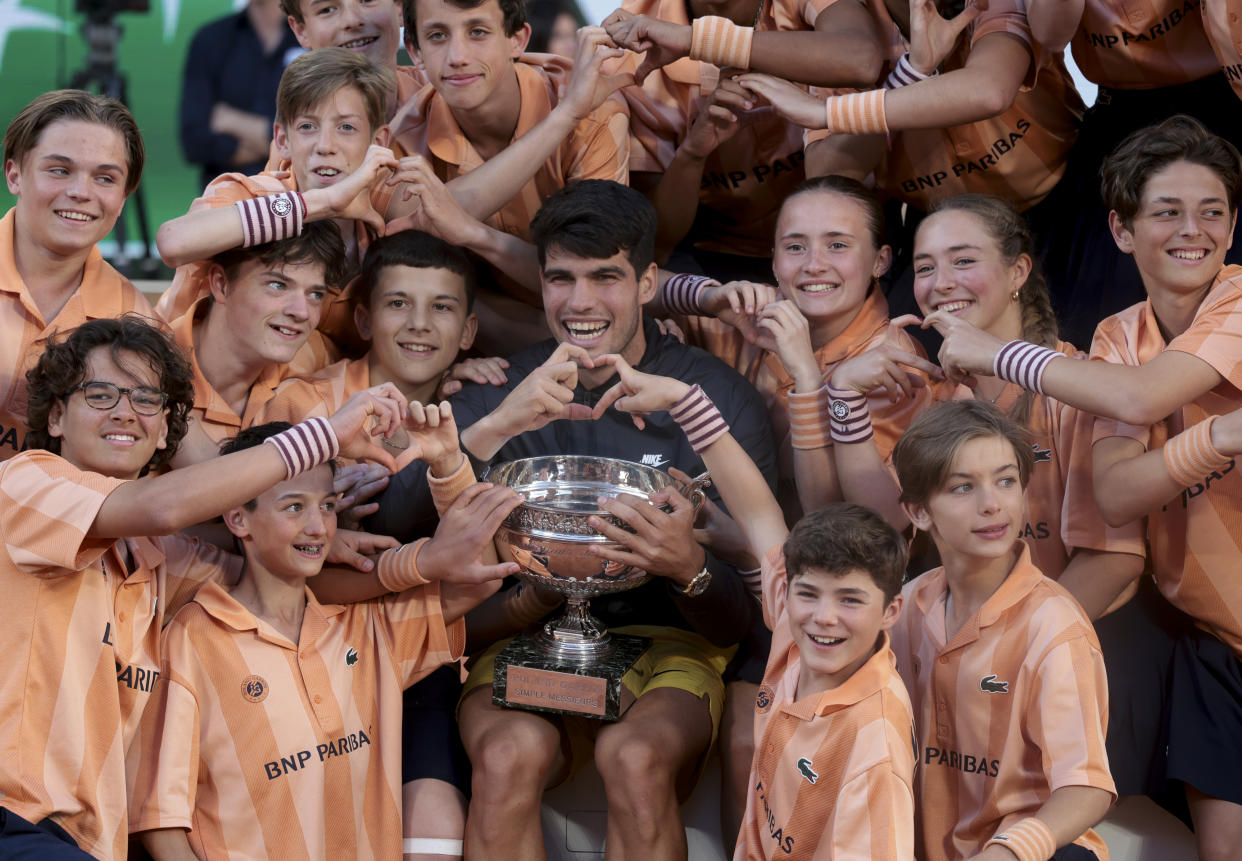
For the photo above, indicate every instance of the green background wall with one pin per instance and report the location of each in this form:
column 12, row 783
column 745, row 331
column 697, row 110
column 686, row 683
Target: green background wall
column 41, row 47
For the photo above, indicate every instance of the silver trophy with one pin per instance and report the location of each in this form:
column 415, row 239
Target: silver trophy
column 573, row 665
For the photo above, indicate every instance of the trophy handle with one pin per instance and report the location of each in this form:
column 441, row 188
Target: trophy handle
column 694, row 490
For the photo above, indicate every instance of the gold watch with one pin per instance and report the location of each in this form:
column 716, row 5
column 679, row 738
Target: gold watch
column 698, row 585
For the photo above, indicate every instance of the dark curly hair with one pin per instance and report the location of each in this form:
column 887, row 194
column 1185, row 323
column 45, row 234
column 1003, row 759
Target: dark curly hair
column 63, row 365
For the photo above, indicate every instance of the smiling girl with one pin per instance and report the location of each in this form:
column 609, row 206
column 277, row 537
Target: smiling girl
column 71, row 158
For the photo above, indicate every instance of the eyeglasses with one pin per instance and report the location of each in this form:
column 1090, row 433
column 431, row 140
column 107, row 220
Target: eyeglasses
column 104, row 396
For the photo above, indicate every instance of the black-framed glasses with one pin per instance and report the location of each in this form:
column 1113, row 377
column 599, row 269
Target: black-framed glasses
column 104, row 396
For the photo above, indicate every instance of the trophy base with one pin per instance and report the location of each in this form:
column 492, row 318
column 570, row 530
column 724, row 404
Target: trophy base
column 528, row 677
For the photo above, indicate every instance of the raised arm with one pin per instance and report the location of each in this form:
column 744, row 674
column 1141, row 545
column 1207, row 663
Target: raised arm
column 742, row 486
column 1135, row 394
column 163, row 504
column 845, row 48
column 487, row 188
column 984, row 87
column 204, row 233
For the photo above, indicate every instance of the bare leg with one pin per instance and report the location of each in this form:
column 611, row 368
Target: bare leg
column 514, row 754
column 737, row 749
column 1218, row 826
column 647, row 762
column 434, row 811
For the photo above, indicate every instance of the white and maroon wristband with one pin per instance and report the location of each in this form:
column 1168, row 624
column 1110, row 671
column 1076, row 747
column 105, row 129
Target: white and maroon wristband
column 306, row 445
column 680, row 294
column 267, row 219
column 1023, row 363
column 849, row 417
column 699, row 418
column 904, row 73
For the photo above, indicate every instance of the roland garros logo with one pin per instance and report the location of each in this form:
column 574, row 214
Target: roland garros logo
column 254, row 689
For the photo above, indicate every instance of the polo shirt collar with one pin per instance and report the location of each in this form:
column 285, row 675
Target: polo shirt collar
column 214, row 407
column 448, row 143
column 102, row 290
column 1022, row 579
column 229, row 612
column 869, row 679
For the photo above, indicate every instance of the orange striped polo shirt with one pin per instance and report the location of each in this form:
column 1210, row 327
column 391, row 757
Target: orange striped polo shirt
column 1018, row 155
column 320, row 394
column 1140, row 44
column 83, row 625
column 1061, row 510
column 23, row 332
column 833, row 773
column 190, row 284
column 766, row 373
column 210, row 411
column 746, row 178
column 1196, row 539
column 1222, row 20
column 266, row 748
column 598, row 148
column 1011, row 708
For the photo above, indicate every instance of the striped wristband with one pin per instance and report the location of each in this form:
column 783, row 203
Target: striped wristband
column 719, row 41
column 849, row 417
column 807, row 411
column 306, row 445
column 1030, row 839
column 1023, row 363
column 904, row 73
column 1190, row 456
column 856, row 113
column 680, row 294
column 267, row 219
column 699, row 418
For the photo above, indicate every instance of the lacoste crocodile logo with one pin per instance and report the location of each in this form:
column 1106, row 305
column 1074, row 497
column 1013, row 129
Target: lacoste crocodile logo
column 989, row 685
column 804, row 766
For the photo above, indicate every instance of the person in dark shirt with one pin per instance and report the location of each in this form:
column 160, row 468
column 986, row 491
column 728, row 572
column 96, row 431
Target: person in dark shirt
column 595, row 241
column 228, row 90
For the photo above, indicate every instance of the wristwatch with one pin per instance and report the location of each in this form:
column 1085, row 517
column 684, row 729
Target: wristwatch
column 698, row 585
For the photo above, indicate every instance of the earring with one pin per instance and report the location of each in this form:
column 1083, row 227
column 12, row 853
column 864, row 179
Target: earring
column 1014, row 295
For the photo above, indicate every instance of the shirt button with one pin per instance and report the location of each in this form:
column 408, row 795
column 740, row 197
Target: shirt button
column 120, row 617
column 318, row 699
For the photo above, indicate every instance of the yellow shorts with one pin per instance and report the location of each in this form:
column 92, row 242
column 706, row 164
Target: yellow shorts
column 676, row 659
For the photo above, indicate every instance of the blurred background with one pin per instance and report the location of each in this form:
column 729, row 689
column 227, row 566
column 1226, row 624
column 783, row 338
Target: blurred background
column 48, row 44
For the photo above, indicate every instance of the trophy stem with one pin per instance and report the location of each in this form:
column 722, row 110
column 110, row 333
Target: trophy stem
column 575, row 633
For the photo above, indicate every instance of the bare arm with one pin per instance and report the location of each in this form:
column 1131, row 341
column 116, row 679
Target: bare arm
column 1054, row 22
column 742, row 486
column 425, row 203
column 676, row 195
column 1096, row 578
column 845, row 49
column 160, row 505
column 1135, row 394
column 1131, row 482
column 1068, row 812
column 205, row 233
column 169, row 844
column 984, row 87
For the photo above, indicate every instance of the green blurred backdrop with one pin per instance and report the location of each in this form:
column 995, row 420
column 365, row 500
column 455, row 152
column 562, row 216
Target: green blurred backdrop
column 41, row 47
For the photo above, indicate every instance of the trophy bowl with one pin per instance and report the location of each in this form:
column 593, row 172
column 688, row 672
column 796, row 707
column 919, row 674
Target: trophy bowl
column 549, row 536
